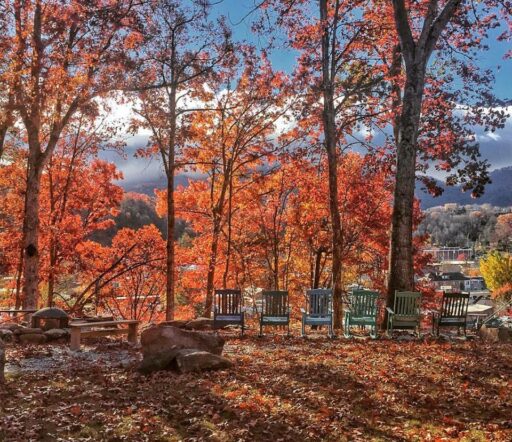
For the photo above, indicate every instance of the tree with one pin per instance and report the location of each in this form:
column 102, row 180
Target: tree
column 77, row 198
column 183, row 47
column 496, row 268
column 62, row 56
column 420, row 29
column 340, row 85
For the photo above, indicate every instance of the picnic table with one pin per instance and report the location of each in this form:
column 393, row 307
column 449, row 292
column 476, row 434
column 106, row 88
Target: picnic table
column 105, row 328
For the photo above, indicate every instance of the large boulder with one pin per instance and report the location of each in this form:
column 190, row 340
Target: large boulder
column 199, row 324
column 163, row 338
column 56, row 333
column 496, row 334
column 189, row 360
column 161, row 345
column 180, row 323
column 32, row 338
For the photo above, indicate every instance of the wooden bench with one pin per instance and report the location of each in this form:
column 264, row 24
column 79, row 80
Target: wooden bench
column 105, row 328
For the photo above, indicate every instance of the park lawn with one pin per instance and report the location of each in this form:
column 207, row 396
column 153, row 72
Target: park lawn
column 279, row 389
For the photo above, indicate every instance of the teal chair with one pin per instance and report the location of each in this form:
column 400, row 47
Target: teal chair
column 362, row 310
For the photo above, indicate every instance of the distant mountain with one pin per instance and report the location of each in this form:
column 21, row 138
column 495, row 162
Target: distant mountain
column 148, row 187
column 498, row 193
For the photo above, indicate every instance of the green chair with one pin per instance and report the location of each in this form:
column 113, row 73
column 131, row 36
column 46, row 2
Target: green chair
column 362, row 310
column 405, row 313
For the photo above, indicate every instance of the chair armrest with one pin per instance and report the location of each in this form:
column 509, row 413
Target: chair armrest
column 390, row 310
column 303, row 311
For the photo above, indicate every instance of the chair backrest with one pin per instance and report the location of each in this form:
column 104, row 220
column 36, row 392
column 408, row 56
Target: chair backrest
column 455, row 305
column 275, row 303
column 228, row 301
column 319, row 302
column 407, row 303
column 363, row 303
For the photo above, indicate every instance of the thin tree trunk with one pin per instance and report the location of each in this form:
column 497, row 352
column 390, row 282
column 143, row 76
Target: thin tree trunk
column 329, row 123
column 212, row 264
column 229, row 221
column 169, row 306
column 317, row 270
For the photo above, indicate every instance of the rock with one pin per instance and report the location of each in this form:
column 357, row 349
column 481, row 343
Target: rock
column 161, row 344
column 176, row 323
column 28, row 331
column 200, row 324
column 32, row 338
column 10, row 326
column 6, row 335
column 495, row 334
column 189, row 360
column 158, row 361
column 163, row 338
column 56, row 333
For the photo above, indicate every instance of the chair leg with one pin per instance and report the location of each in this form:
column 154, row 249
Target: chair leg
column 261, row 330
column 303, row 330
column 373, row 332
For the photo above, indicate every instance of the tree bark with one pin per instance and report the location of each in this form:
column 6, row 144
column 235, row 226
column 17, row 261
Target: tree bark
column 31, row 232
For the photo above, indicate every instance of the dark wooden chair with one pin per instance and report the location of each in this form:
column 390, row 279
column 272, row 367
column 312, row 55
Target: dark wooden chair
column 406, row 312
column 362, row 310
column 275, row 309
column 228, row 309
column 453, row 312
column 318, row 310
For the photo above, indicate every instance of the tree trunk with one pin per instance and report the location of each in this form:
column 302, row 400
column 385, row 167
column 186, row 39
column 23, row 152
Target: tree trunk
column 212, row 264
column 169, row 295
column 336, row 238
column 317, row 270
column 31, row 235
column 51, row 273
column 401, row 269
column 329, row 125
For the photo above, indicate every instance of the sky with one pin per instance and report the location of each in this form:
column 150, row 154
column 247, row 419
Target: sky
column 496, row 147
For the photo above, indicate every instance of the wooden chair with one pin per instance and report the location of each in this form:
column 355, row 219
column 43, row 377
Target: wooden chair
column 405, row 313
column 275, row 309
column 362, row 310
column 228, row 308
column 453, row 313
column 318, row 310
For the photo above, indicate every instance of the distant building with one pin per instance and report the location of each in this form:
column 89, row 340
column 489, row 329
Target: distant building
column 456, row 282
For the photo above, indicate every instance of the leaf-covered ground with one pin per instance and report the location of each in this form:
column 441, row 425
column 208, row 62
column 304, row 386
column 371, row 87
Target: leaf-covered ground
column 279, row 389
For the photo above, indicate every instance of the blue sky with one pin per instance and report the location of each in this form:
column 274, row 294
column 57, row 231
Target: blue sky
column 496, row 147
